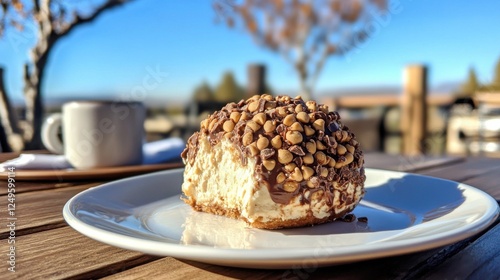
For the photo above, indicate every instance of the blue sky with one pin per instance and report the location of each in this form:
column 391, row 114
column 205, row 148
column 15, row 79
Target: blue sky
column 111, row 56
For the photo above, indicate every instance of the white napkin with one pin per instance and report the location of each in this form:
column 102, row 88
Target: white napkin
column 31, row 161
column 162, row 150
column 153, row 152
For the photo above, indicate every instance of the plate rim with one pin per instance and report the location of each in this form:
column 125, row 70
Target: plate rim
column 257, row 258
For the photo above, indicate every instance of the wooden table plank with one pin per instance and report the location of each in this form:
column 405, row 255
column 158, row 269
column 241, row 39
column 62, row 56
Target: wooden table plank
column 482, row 173
column 408, row 163
column 63, row 253
column 488, row 182
column 41, row 210
column 22, row 187
column 471, row 168
column 177, row 269
column 480, row 260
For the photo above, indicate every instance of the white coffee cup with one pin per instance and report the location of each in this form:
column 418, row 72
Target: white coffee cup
column 97, row 133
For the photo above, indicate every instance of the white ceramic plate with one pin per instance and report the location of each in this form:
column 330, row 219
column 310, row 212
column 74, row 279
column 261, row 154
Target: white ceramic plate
column 406, row 213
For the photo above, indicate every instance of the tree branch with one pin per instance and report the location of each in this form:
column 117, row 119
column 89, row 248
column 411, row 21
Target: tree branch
column 36, row 5
column 318, row 67
column 285, row 53
column 97, row 12
column 8, row 125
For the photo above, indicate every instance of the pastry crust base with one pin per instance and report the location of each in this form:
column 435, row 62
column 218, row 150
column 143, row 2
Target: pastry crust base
column 309, row 220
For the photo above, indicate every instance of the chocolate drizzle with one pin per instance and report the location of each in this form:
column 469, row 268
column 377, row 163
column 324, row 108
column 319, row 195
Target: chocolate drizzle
column 332, row 173
column 191, row 148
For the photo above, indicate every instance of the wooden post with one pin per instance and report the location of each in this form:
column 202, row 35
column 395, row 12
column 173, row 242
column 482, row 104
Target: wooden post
column 256, row 79
column 414, row 109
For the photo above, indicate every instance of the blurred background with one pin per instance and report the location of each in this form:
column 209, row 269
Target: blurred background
column 409, row 77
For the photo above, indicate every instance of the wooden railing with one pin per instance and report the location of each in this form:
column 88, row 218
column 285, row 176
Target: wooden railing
column 382, row 99
column 413, row 103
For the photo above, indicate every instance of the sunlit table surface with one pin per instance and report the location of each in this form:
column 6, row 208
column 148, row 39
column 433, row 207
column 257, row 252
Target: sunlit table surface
column 47, row 248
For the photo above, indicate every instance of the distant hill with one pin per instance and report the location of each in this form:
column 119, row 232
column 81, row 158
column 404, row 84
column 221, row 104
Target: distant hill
column 155, row 102
column 442, row 88
column 364, row 90
column 445, row 88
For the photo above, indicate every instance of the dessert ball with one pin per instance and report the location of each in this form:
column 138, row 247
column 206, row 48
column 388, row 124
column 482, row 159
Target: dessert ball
column 274, row 162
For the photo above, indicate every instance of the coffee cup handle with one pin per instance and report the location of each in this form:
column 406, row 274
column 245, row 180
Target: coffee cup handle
column 50, row 131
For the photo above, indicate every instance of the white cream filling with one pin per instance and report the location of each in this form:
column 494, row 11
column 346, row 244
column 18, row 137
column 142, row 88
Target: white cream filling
column 217, row 177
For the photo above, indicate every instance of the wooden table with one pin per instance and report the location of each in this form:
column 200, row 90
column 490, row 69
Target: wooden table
column 47, row 248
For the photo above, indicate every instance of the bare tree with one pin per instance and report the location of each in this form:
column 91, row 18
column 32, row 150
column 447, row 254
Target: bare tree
column 495, row 85
column 228, row 89
column 52, row 20
column 469, row 87
column 304, row 32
